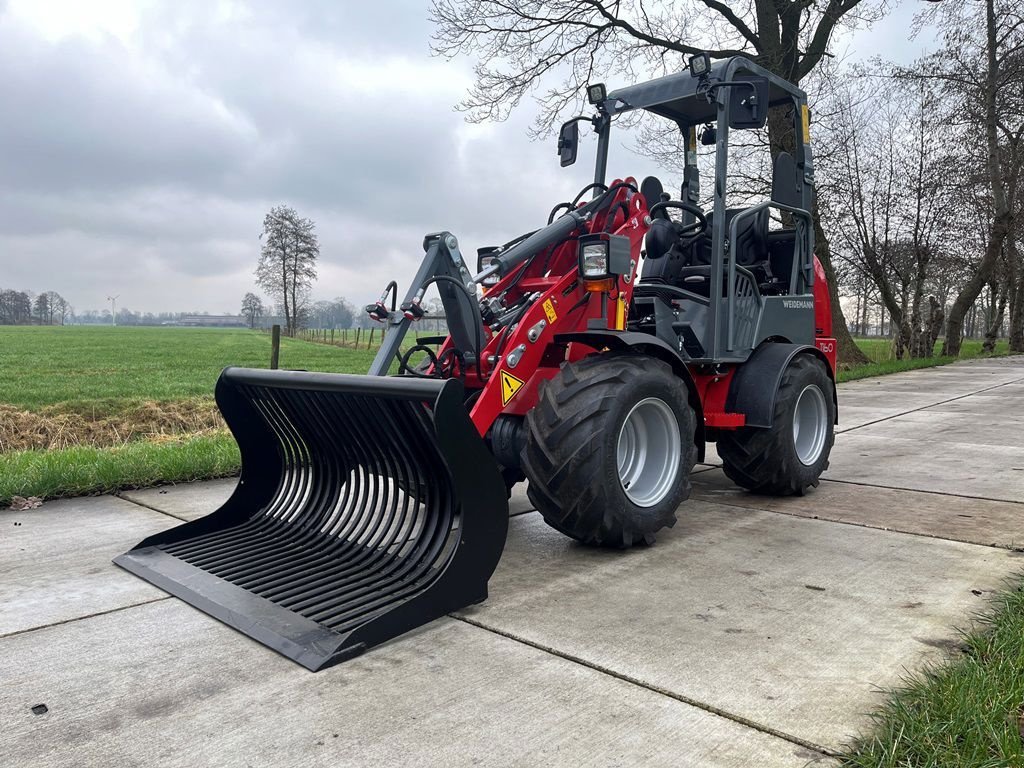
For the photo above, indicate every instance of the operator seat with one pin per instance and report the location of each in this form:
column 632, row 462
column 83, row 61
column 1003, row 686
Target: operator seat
column 662, row 256
column 690, row 268
column 750, row 250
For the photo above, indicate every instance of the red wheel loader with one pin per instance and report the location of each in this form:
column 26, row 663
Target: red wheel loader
column 593, row 358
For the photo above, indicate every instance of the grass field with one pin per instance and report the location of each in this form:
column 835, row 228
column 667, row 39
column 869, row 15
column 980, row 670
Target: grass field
column 94, row 409
column 44, row 366
column 963, row 714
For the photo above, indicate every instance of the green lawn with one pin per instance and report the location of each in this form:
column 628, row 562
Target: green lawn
column 42, row 366
column 968, row 713
column 881, row 350
column 103, row 372
column 85, row 470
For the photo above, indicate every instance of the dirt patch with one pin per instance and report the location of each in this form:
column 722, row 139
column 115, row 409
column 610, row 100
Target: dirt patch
column 64, row 426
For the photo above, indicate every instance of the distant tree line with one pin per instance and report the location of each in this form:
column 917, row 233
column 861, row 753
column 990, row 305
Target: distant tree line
column 28, row 308
column 336, row 313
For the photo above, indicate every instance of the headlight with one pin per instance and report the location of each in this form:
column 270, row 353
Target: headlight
column 485, row 262
column 700, row 65
column 594, row 261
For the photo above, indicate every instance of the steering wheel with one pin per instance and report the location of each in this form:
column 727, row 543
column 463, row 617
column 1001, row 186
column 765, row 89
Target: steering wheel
column 692, row 230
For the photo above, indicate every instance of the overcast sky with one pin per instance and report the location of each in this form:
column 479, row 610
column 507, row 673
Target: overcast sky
column 142, row 142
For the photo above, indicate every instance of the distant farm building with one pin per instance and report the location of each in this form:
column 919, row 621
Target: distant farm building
column 211, row 321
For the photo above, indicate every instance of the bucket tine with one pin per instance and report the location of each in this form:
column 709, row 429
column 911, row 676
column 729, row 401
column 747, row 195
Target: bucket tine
column 367, row 506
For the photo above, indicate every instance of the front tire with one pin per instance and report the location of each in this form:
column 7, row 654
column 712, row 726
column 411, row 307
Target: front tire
column 609, row 449
column 789, row 457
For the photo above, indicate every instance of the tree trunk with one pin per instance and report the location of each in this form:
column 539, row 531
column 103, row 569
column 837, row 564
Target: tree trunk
column 284, row 293
column 1016, row 290
column 996, row 318
column 936, row 318
column 1002, row 212
column 848, row 353
column 972, row 288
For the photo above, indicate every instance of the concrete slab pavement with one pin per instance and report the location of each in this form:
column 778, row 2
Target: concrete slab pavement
column 186, row 501
column 958, row 518
column 913, row 463
column 788, row 622
column 54, row 561
column 866, row 401
column 166, row 685
column 745, row 637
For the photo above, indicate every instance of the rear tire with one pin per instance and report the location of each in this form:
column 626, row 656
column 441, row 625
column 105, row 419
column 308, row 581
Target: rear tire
column 609, row 449
column 789, row 457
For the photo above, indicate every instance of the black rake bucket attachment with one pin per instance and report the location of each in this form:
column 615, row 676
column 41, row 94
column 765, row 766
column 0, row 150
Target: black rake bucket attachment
column 367, row 506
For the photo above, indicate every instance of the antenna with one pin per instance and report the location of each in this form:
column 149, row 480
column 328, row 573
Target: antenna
column 113, row 309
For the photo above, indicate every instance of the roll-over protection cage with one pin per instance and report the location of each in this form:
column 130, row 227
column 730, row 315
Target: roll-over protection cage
column 723, row 99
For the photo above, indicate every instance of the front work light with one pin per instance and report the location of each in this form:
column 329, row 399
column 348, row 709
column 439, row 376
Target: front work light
column 602, row 257
column 596, row 93
column 700, row 65
column 484, row 258
column 492, row 279
column 594, row 261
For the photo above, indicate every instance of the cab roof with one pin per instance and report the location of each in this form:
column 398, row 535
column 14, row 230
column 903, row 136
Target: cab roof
column 674, row 96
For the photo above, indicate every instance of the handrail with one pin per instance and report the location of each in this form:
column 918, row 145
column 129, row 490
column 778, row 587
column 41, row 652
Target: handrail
column 799, row 213
column 680, row 293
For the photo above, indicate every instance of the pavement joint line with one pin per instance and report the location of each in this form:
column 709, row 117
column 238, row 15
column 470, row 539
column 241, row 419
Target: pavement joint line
column 710, row 708
column 930, row 405
column 818, row 518
column 150, row 507
column 919, row 490
column 86, row 616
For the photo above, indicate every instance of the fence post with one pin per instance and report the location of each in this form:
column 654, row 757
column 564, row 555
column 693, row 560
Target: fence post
column 369, row 342
column 275, row 346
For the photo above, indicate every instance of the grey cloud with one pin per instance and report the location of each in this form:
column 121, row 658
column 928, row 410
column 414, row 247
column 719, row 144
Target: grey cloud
column 144, row 167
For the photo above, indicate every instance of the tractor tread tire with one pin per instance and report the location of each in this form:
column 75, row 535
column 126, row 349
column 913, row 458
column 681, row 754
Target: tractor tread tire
column 764, row 460
column 565, row 458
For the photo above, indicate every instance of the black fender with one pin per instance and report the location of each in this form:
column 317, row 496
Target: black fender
column 756, row 382
column 645, row 344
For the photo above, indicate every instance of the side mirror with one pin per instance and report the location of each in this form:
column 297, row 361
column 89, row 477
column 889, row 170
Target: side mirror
column 568, row 142
column 748, row 104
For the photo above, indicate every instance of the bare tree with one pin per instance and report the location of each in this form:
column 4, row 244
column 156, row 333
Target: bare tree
column 889, row 199
column 15, row 307
column 59, row 309
column 332, row 314
column 981, row 68
column 41, row 309
column 287, row 265
column 252, row 308
column 551, row 50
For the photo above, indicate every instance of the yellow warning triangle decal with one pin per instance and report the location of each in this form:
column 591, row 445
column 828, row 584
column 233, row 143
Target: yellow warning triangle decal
column 509, row 386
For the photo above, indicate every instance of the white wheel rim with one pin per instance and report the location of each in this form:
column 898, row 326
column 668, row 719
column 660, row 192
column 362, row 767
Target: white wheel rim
column 647, row 452
column 810, row 425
